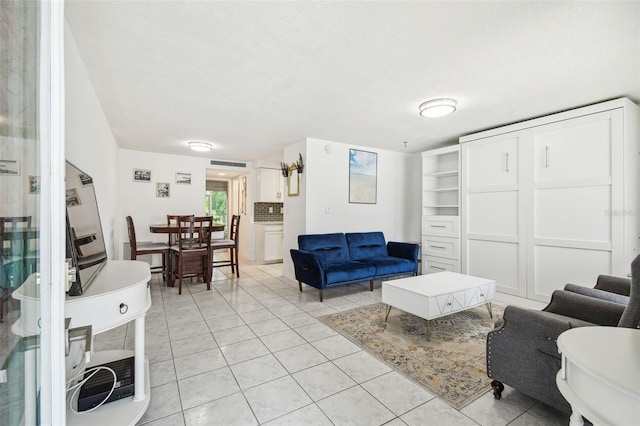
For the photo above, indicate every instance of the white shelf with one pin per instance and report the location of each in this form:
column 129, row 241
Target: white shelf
column 441, row 189
column 442, row 174
column 125, row 411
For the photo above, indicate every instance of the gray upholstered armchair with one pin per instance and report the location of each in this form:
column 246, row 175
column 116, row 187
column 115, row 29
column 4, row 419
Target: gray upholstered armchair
column 522, row 350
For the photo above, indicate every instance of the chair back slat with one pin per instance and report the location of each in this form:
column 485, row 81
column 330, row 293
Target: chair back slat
column 132, row 237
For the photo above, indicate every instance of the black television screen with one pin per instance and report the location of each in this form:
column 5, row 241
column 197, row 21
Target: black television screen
column 85, row 241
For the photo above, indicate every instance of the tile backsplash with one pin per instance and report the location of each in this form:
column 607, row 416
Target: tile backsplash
column 261, row 212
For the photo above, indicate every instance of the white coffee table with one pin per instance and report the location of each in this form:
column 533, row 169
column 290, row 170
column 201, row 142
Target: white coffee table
column 436, row 295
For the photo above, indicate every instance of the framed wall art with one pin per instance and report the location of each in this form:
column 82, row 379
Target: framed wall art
column 363, row 177
column 34, row 184
column 9, row 168
column 141, row 175
column 163, row 190
column 183, row 178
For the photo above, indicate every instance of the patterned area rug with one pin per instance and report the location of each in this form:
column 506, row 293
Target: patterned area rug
column 451, row 365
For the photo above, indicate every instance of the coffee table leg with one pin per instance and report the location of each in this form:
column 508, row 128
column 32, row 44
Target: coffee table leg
column 387, row 315
column 488, row 305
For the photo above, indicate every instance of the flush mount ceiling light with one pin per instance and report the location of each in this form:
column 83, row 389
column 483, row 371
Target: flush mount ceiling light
column 200, row 146
column 438, row 107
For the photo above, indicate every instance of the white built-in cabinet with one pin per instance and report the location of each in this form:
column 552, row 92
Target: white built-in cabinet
column 270, row 185
column 552, row 200
column 269, row 242
column 440, row 210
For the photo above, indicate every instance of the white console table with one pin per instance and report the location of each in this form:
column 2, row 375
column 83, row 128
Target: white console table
column 600, row 374
column 119, row 294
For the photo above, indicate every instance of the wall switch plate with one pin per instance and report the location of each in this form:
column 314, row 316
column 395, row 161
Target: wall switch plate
column 270, row 209
column 281, row 210
column 327, row 210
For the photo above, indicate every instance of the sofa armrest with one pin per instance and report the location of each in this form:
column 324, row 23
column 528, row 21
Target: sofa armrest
column 407, row 251
column 612, row 284
column 308, row 268
column 598, row 294
column 579, row 306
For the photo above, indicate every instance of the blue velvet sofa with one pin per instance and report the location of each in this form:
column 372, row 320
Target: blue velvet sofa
column 332, row 260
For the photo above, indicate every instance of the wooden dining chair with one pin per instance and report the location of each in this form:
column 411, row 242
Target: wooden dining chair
column 139, row 248
column 172, row 220
column 15, row 259
column 230, row 244
column 12, row 246
column 191, row 255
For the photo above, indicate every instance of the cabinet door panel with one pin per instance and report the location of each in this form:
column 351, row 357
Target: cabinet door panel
column 273, row 246
column 493, row 213
column 573, row 149
column 432, row 265
column 441, row 247
column 553, row 267
column 497, row 261
column 580, row 213
column 493, row 162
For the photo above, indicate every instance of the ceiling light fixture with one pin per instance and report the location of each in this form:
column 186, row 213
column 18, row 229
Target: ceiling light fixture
column 200, row 146
column 438, row 107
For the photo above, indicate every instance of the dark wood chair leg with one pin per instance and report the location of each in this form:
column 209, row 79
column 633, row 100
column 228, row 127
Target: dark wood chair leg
column 300, row 285
column 320, row 296
column 371, row 285
column 235, row 255
column 180, row 277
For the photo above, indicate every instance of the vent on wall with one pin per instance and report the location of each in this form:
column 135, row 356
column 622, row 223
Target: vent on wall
column 228, row 163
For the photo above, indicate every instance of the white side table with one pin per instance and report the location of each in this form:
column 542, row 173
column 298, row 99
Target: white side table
column 600, row 374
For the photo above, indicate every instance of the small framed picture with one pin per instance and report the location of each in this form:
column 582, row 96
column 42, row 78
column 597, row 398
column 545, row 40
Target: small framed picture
column 162, row 190
column 183, row 178
column 141, row 175
column 73, row 199
column 85, row 179
column 9, row 168
column 34, row 184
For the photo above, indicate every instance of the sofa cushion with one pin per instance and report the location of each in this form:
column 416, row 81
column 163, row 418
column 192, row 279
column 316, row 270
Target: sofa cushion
column 386, row 265
column 365, row 245
column 328, row 248
column 348, row 271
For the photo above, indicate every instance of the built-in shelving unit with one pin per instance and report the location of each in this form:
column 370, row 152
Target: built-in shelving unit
column 440, row 210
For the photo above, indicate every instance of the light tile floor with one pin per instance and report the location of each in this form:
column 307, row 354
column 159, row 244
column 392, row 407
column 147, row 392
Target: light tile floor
column 251, row 351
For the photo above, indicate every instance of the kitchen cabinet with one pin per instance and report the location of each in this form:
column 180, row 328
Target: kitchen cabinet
column 269, row 242
column 552, row 200
column 270, row 185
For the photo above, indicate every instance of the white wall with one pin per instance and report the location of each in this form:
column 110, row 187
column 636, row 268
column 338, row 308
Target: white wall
column 294, row 208
column 138, row 199
column 325, row 184
column 90, row 144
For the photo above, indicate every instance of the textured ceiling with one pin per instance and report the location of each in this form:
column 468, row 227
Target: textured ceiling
column 253, row 77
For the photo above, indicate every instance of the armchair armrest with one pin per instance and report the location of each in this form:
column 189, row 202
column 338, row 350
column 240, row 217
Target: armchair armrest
column 597, row 293
column 614, row 284
column 307, row 268
column 526, row 330
column 407, row 251
column 579, row 306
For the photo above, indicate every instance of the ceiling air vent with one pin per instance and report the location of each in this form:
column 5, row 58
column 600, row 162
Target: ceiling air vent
column 228, row 163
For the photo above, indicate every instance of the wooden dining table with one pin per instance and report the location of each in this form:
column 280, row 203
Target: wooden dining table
column 170, row 229
column 165, row 228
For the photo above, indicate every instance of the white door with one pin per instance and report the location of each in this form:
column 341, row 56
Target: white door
column 492, row 212
column 574, row 188
column 32, row 187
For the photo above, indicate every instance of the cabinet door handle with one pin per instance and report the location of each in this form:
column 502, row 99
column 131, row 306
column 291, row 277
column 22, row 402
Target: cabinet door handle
column 439, row 247
column 546, row 156
column 437, row 226
column 506, row 162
